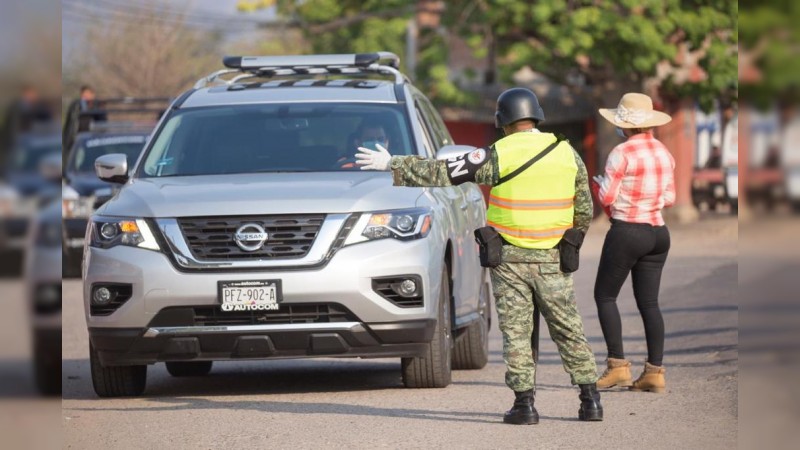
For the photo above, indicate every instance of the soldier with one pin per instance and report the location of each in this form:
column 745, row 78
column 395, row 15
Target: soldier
column 531, row 210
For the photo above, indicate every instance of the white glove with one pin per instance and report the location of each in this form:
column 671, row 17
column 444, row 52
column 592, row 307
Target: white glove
column 599, row 179
column 373, row 160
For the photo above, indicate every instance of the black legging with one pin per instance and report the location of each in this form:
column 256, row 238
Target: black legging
column 641, row 250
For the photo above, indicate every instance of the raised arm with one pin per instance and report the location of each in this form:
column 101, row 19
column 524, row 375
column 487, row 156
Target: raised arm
column 418, row 171
column 478, row 166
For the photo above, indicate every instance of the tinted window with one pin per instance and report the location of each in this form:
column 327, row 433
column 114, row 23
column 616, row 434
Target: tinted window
column 88, row 150
column 298, row 137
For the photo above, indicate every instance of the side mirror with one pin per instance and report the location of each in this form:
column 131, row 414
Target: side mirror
column 451, row 151
column 112, row 168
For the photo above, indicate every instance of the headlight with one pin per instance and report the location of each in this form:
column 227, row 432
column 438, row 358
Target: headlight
column 110, row 232
column 77, row 207
column 403, row 224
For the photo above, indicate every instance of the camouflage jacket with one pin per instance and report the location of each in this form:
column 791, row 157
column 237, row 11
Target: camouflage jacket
column 420, row 172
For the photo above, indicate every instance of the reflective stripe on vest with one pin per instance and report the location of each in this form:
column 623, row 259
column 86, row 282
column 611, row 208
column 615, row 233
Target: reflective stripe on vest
column 535, row 208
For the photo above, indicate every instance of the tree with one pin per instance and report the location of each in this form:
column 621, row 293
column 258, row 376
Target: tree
column 610, row 47
column 769, row 62
column 600, row 46
column 352, row 26
column 148, row 56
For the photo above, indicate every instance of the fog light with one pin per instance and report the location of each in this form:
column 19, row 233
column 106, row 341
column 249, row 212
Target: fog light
column 109, row 231
column 407, row 288
column 405, row 223
column 101, row 296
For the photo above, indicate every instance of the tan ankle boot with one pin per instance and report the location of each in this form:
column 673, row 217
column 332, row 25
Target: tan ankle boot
column 652, row 379
column 618, row 373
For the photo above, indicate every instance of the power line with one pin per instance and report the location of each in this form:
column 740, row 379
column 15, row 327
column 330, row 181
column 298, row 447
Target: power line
column 132, row 17
column 194, row 13
column 113, row 15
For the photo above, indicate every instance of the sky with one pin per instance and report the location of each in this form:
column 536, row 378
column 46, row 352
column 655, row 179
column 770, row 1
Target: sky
column 203, row 14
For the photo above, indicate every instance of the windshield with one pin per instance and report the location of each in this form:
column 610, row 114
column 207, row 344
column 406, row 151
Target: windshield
column 301, row 137
column 88, row 150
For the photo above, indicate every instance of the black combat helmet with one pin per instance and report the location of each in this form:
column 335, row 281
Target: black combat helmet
column 517, row 104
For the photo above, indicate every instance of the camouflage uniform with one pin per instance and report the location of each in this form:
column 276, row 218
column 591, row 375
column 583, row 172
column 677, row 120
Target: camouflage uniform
column 525, row 276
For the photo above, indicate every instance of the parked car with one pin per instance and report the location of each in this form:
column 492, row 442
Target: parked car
column 83, row 191
column 244, row 231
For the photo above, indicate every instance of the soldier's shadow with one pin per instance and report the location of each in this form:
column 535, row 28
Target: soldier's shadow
column 190, row 403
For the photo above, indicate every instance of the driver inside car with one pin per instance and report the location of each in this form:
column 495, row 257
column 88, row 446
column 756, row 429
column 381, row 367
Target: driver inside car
column 370, row 134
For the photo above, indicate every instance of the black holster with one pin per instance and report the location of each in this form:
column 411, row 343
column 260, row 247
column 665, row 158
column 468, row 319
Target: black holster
column 490, row 245
column 569, row 250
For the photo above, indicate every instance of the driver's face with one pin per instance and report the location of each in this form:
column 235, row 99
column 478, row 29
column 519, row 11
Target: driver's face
column 375, row 134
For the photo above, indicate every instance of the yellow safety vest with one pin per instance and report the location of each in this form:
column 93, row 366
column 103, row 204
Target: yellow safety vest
column 533, row 209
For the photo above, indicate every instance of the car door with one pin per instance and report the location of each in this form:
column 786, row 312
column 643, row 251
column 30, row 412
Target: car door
column 467, row 214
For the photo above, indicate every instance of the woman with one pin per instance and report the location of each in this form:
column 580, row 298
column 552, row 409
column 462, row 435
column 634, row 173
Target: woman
column 638, row 183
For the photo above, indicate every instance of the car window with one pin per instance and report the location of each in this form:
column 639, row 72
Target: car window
column 88, row 150
column 426, row 141
column 297, row 137
column 438, row 128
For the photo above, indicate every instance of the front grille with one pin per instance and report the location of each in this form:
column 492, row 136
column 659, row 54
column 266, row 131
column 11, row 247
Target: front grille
column 287, row 314
column 289, row 236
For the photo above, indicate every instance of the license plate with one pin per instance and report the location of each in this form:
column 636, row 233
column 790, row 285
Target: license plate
column 254, row 295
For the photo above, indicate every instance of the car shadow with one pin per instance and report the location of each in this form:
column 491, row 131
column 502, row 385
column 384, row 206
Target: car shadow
column 251, row 377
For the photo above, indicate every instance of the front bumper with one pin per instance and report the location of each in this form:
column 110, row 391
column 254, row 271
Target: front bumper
column 121, row 346
column 148, row 328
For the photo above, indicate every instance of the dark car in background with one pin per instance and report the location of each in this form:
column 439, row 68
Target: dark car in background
column 83, row 191
column 31, row 174
column 111, row 125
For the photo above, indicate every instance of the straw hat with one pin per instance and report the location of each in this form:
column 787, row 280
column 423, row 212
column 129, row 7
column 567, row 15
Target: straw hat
column 635, row 111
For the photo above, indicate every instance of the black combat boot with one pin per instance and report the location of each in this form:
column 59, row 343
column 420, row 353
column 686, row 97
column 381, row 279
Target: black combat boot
column 523, row 412
column 591, row 410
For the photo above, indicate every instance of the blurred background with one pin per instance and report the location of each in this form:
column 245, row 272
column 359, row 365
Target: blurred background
column 726, row 71
column 30, row 183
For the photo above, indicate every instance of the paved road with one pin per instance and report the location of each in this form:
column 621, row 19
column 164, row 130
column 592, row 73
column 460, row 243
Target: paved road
column 361, row 403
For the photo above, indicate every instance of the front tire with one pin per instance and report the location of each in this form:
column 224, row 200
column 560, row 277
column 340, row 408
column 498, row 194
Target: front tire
column 121, row 381
column 189, row 368
column 434, row 369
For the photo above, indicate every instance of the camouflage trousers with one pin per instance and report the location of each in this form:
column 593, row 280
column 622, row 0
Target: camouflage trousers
column 516, row 285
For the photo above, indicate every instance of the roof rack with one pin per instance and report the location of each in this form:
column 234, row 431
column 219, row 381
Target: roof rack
column 248, row 67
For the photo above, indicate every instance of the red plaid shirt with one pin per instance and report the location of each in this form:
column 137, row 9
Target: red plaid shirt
column 639, row 180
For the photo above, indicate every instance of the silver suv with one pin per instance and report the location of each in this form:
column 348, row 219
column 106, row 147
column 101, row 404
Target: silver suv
column 245, row 231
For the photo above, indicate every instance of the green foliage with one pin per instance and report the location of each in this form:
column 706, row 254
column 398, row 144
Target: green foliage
column 619, row 42
column 770, row 37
